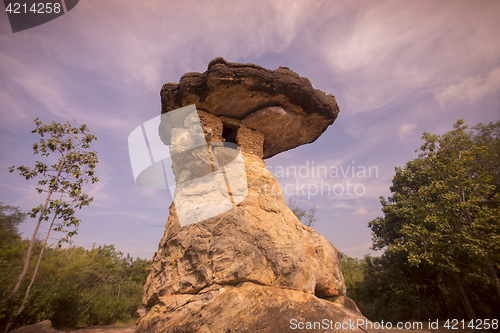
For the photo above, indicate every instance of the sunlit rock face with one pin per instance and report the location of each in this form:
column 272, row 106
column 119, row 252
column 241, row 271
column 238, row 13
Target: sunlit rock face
column 255, row 266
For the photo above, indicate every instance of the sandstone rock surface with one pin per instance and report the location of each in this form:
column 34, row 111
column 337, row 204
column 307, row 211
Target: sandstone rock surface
column 279, row 103
column 254, row 267
column 246, row 307
column 259, row 241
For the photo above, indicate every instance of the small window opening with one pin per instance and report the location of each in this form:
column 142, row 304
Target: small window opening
column 229, row 133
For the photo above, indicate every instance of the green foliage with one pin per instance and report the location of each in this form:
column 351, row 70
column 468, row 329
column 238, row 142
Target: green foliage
column 73, row 163
column 68, row 148
column 10, row 218
column 440, row 229
column 75, row 287
column 78, row 287
column 353, row 271
column 388, row 291
column 11, row 251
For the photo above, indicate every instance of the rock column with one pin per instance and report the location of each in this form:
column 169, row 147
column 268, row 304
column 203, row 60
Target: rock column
column 254, row 267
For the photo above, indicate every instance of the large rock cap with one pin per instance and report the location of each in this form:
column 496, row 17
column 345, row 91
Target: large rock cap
column 278, row 103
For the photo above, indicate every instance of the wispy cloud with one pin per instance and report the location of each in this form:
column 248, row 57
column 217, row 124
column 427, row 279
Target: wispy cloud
column 406, row 130
column 390, row 49
column 470, row 89
column 358, row 250
column 133, row 49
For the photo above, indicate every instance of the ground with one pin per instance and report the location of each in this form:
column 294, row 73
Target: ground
column 107, row 329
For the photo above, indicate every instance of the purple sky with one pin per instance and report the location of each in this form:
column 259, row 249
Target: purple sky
column 397, row 69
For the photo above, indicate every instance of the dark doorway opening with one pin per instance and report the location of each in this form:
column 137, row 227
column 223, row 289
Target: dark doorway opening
column 229, row 133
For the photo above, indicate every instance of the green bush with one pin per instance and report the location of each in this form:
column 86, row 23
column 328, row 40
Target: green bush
column 75, row 287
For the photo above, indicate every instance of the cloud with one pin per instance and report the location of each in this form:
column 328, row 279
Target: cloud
column 146, row 44
column 362, row 211
column 392, row 49
column 11, row 117
column 359, row 250
column 406, row 130
column 134, row 47
column 470, row 89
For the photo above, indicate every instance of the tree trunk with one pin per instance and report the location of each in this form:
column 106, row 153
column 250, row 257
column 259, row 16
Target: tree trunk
column 32, row 241
column 30, row 249
column 26, row 295
column 494, row 276
column 465, row 300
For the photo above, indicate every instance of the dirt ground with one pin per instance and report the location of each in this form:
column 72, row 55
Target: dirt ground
column 107, row 329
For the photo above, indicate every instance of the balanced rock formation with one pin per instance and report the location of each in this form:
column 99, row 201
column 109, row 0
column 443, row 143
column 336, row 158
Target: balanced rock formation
column 254, row 267
column 260, row 98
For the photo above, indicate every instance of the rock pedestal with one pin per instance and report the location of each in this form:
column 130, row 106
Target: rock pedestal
column 254, row 267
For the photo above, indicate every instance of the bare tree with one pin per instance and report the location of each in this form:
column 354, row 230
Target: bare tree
column 304, row 216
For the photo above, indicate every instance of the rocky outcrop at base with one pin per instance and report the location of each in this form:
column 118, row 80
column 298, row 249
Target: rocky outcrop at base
column 253, row 268
column 246, row 307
